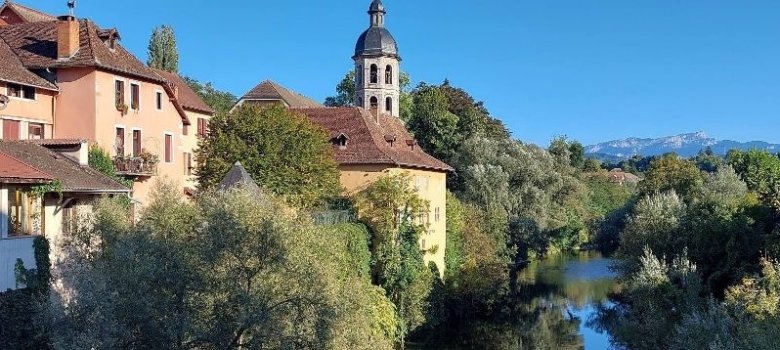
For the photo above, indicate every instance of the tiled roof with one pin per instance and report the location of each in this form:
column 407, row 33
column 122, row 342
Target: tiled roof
column 269, row 90
column 73, row 176
column 238, row 177
column 13, row 170
column 12, row 70
column 36, row 46
column 58, row 142
column 27, row 13
column 368, row 140
column 187, row 97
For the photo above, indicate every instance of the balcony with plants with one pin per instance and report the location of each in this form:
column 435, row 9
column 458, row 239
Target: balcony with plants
column 143, row 165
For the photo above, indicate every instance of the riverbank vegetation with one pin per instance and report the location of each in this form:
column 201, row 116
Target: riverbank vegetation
column 697, row 257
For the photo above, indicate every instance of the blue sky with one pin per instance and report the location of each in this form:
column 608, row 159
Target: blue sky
column 593, row 70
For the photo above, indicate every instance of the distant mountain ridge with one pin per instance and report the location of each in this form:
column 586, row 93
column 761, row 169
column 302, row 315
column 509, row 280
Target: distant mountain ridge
column 686, row 145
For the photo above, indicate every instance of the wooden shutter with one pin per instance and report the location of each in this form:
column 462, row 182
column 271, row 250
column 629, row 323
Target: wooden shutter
column 120, row 142
column 168, row 148
column 136, row 143
column 11, row 129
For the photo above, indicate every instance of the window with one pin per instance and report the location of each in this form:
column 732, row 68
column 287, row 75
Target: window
column 203, row 127
column 389, row 104
column 136, row 143
column 341, row 141
column 437, row 214
column 21, row 91
column 187, row 163
column 35, row 131
column 421, row 183
column 22, row 217
column 11, row 129
column 374, row 103
column 168, row 148
column 70, row 217
column 359, row 75
column 119, row 143
column 135, row 96
column 374, row 74
column 119, row 93
column 28, row 92
column 15, row 90
column 159, row 100
column 389, row 74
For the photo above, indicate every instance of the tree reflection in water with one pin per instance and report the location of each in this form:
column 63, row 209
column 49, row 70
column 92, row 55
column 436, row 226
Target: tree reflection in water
column 542, row 312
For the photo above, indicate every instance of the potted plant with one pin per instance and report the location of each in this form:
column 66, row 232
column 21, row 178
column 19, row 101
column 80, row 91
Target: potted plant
column 122, row 108
column 149, row 160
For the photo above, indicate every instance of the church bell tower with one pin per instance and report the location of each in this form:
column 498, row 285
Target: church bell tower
column 377, row 74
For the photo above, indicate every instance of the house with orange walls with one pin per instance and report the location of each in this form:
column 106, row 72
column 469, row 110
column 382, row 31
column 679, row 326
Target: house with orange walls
column 86, row 85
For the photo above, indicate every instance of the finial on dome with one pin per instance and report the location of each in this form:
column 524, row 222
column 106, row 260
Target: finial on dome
column 376, row 6
column 377, row 13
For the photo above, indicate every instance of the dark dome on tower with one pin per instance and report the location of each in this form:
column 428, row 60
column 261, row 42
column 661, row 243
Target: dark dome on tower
column 376, row 40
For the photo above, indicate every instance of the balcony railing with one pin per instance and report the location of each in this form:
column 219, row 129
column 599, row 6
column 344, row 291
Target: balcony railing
column 135, row 166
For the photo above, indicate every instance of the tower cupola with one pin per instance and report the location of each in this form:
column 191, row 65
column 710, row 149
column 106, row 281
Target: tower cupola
column 377, row 63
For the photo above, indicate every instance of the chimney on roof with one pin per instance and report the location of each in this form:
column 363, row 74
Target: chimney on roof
column 67, row 36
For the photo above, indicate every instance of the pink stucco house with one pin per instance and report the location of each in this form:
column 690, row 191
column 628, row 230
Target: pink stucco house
column 68, row 78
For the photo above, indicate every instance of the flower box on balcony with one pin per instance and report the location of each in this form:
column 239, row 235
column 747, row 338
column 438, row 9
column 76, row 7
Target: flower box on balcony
column 136, row 166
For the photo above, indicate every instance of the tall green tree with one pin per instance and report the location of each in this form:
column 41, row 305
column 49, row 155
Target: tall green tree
column 391, row 208
column 220, row 101
column 434, row 126
column 345, row 92
column 284, row 152
column 162, row 51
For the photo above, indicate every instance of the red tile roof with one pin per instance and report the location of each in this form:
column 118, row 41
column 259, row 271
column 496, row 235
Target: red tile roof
column 369, row 139
column 58, row 142
column 26, row 13
column 13, row 71
column 36, row 46
column 187, row 97
column 271, row 91
column 13, row 170
column 73, row 176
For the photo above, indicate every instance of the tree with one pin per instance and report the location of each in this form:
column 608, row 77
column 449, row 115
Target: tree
column 220, row 101
column 433, row 125
column 345, row 92
column 672, row 173
column 283, row 151
column 571, row 153
column 236, row 270
column 162, row 51
column 391, row 208
column 654, row 225
column 100, row 160
column 761, row 172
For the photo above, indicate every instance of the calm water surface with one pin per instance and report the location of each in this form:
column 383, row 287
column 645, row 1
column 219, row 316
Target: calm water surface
column 580, row 283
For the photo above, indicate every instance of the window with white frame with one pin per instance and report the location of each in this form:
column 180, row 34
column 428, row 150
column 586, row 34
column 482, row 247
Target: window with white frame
column 135, row 96
column 21, row 91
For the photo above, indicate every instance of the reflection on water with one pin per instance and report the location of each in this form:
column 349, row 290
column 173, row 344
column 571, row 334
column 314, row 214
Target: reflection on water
column 581, row 283
column 550, row 309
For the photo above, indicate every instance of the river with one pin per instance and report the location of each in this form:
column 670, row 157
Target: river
column 577, row 283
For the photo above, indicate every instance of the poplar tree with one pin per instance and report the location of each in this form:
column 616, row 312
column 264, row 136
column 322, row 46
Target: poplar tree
column 163, row 53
